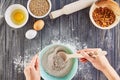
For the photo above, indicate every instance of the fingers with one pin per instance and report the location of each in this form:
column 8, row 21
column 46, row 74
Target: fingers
column 86, row 56
column 33, row 68
column 90, row 54
column 27, row 72
column 33, row 61
column 89, row 50
column 37, row 64
column 103, row 53
column 83, row 60
column 92, row 49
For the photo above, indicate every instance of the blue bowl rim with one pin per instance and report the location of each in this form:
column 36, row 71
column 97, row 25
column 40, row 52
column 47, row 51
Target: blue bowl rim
column 69, row 76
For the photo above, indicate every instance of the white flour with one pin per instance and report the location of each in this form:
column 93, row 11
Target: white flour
column 21, row 61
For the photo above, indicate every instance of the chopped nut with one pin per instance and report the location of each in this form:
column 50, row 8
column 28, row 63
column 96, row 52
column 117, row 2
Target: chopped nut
column 103, row 17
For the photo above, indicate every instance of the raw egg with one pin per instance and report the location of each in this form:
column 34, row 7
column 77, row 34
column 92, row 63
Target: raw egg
column 38, row 25
column 18, row 16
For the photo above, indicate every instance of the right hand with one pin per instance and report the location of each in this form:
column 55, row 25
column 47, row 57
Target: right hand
column 100, row 62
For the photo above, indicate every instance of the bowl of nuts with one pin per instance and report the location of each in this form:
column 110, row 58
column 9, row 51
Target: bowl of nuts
column 39, row 8
column 105, row 14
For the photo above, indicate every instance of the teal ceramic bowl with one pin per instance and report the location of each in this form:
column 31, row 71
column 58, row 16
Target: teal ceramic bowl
column 47, row 76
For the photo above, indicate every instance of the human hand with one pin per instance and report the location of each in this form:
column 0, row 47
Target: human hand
column 100, row 62
column 32, row 71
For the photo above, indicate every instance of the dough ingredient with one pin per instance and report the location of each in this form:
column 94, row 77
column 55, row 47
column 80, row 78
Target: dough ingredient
column 104, row 17
column 18, row 16
column 39, row 7
column 30, row 34
column 38, row 25
column 54, row 63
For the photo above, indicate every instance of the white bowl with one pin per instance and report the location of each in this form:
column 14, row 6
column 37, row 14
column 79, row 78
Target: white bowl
column 35, row 15
column 8, row 12
column 93, row 7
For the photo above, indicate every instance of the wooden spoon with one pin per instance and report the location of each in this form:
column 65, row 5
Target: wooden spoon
column 66, row 56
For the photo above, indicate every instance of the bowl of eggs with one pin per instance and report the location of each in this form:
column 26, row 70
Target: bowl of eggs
column 53, row 67
column 105, row 14
column 16, row 16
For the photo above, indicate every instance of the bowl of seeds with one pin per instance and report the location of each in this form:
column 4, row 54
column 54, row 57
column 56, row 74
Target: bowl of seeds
column 105, row 14
column 39, row 8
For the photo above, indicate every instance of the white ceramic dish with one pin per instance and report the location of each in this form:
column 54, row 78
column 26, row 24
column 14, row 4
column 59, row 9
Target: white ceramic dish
column 30, row 34
column 93, row 7
column 35, row 15
column 8, row 12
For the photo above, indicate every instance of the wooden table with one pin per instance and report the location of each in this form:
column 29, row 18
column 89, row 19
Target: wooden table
column 76, row 27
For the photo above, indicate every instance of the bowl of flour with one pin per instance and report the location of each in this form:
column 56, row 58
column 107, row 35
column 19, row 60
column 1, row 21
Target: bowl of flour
column 53, row 67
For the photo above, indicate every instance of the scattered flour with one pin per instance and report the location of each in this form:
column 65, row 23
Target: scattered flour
column 21, row 61
column 83, row 71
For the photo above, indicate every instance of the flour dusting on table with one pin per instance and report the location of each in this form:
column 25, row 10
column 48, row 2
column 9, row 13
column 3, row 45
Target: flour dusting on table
column 21, row 61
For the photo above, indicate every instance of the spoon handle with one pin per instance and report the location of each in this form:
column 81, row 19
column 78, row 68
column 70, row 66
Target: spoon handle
column 75, row 55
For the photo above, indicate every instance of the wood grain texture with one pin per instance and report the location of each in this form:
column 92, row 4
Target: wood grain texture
column 76, row 25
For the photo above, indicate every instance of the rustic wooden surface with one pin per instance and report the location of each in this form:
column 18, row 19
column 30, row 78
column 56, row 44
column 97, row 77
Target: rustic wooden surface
column 77, row 25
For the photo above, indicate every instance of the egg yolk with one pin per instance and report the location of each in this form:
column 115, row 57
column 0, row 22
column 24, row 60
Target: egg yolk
column 18, row 16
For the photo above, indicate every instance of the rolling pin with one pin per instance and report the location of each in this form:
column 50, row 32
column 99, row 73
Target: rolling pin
column 71, row 8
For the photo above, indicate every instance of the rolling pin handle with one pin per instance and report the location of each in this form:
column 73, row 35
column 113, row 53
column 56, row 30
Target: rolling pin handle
column 56, row 14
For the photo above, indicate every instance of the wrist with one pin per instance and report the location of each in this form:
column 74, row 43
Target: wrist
column 106, row 68
column 110, row 73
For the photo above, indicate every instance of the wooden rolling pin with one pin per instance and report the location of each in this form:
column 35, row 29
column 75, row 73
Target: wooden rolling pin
column 71, row 8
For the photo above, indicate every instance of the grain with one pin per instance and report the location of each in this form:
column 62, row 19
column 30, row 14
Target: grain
column 39, row 7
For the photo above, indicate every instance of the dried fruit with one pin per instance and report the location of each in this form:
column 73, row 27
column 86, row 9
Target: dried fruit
column 103, row 16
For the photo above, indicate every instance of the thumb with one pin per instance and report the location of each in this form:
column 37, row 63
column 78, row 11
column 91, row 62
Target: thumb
column 37, row 64
column 27, row 73
column 86, row 56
